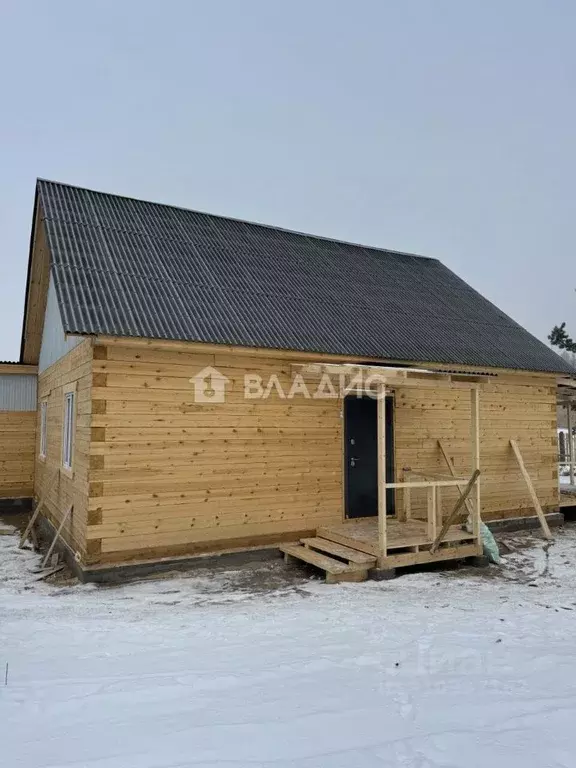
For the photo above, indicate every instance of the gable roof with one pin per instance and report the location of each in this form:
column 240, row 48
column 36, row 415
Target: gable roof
column 125, row 267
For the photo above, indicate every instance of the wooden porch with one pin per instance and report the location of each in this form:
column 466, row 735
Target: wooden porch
column 408, row 543
column 346, row 552
column 349, row 550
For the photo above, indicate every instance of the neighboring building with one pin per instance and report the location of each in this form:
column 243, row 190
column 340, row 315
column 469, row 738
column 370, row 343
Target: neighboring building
column 18, row 402
column 136, row 311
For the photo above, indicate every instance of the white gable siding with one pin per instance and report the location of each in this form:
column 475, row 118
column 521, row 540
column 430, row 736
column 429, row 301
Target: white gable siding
column 17, row 392
column 54, row 342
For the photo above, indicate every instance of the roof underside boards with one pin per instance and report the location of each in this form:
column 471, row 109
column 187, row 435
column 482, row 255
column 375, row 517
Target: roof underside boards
column 125, row 267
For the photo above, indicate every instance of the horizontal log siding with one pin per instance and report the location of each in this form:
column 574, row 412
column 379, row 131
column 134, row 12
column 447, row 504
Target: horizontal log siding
column 172, row 476
column 517, row 407
column 76, row 366
column 17, row 439
column 169, row 476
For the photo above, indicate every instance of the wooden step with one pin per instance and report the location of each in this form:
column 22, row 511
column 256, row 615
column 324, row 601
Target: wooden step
column 335, row 570
column 368, row 547
column 346, row 553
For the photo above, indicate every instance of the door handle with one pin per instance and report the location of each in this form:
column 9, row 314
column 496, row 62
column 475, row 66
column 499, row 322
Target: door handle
column 353, row 461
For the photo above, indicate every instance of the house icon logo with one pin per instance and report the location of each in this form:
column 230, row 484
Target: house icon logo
column 209, row 386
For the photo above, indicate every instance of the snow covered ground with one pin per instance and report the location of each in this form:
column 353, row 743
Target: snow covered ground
column 261, row 667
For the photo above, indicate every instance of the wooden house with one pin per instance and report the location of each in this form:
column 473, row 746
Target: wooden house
column 195, row 391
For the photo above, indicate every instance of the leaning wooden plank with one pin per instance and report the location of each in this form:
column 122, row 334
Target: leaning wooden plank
column 535, row 502
column 452, row 469
column 49, row 572
column 37, row 509
column 346, row 553
column 57, row 535
column 452, row 516
column 34, row 540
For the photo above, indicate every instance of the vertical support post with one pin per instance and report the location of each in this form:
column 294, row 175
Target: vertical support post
column 475, row 445
column 431, row 509
column 439, row 519
column 561, row 447
column 406, row 501
column 570, row 441
column 382, row 545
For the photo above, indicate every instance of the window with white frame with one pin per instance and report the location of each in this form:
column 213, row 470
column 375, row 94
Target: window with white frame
column 43, row 428
column 68, row 430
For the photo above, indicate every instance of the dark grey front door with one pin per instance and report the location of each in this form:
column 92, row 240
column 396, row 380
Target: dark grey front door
column 361, row 455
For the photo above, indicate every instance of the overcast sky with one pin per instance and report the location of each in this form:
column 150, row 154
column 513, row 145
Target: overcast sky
column 441, row 127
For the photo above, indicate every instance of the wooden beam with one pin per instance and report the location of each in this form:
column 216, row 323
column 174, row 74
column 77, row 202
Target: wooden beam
column 452, row 469
column 531, row 491
column 49, row 572
column 382, row 487
column 418, row 378
column 431, row 512
column 438, row 503
column 425, row 484
column 452, row 516
column 29, row 527
column 57, row 535
column 427, row 384
column 475, row 450
column 405, row 513
column 439, row 476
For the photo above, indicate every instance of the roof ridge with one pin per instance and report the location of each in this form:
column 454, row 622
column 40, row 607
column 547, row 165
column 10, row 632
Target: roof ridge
column 376, row 248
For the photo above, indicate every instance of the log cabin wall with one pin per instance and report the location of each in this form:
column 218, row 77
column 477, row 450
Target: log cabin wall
column 170, row 476
column 72, row 372
column 17, row 432
column 514, row 405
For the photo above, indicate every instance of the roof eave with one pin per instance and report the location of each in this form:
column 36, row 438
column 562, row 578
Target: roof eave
column 28, row 274
column 37, row 279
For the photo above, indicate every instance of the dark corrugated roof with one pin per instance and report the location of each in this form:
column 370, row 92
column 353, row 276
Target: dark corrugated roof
column 126, row 267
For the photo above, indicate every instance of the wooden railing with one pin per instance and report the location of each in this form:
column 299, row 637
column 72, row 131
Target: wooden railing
column 436, row 527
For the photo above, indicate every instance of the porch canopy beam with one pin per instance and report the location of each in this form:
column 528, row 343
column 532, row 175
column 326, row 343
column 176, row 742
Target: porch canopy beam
column 391, row 376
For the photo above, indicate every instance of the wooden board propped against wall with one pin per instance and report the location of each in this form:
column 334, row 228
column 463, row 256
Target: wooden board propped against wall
column 532, row 492
column 452, row 469
column 57, row 535
column 29, row 531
